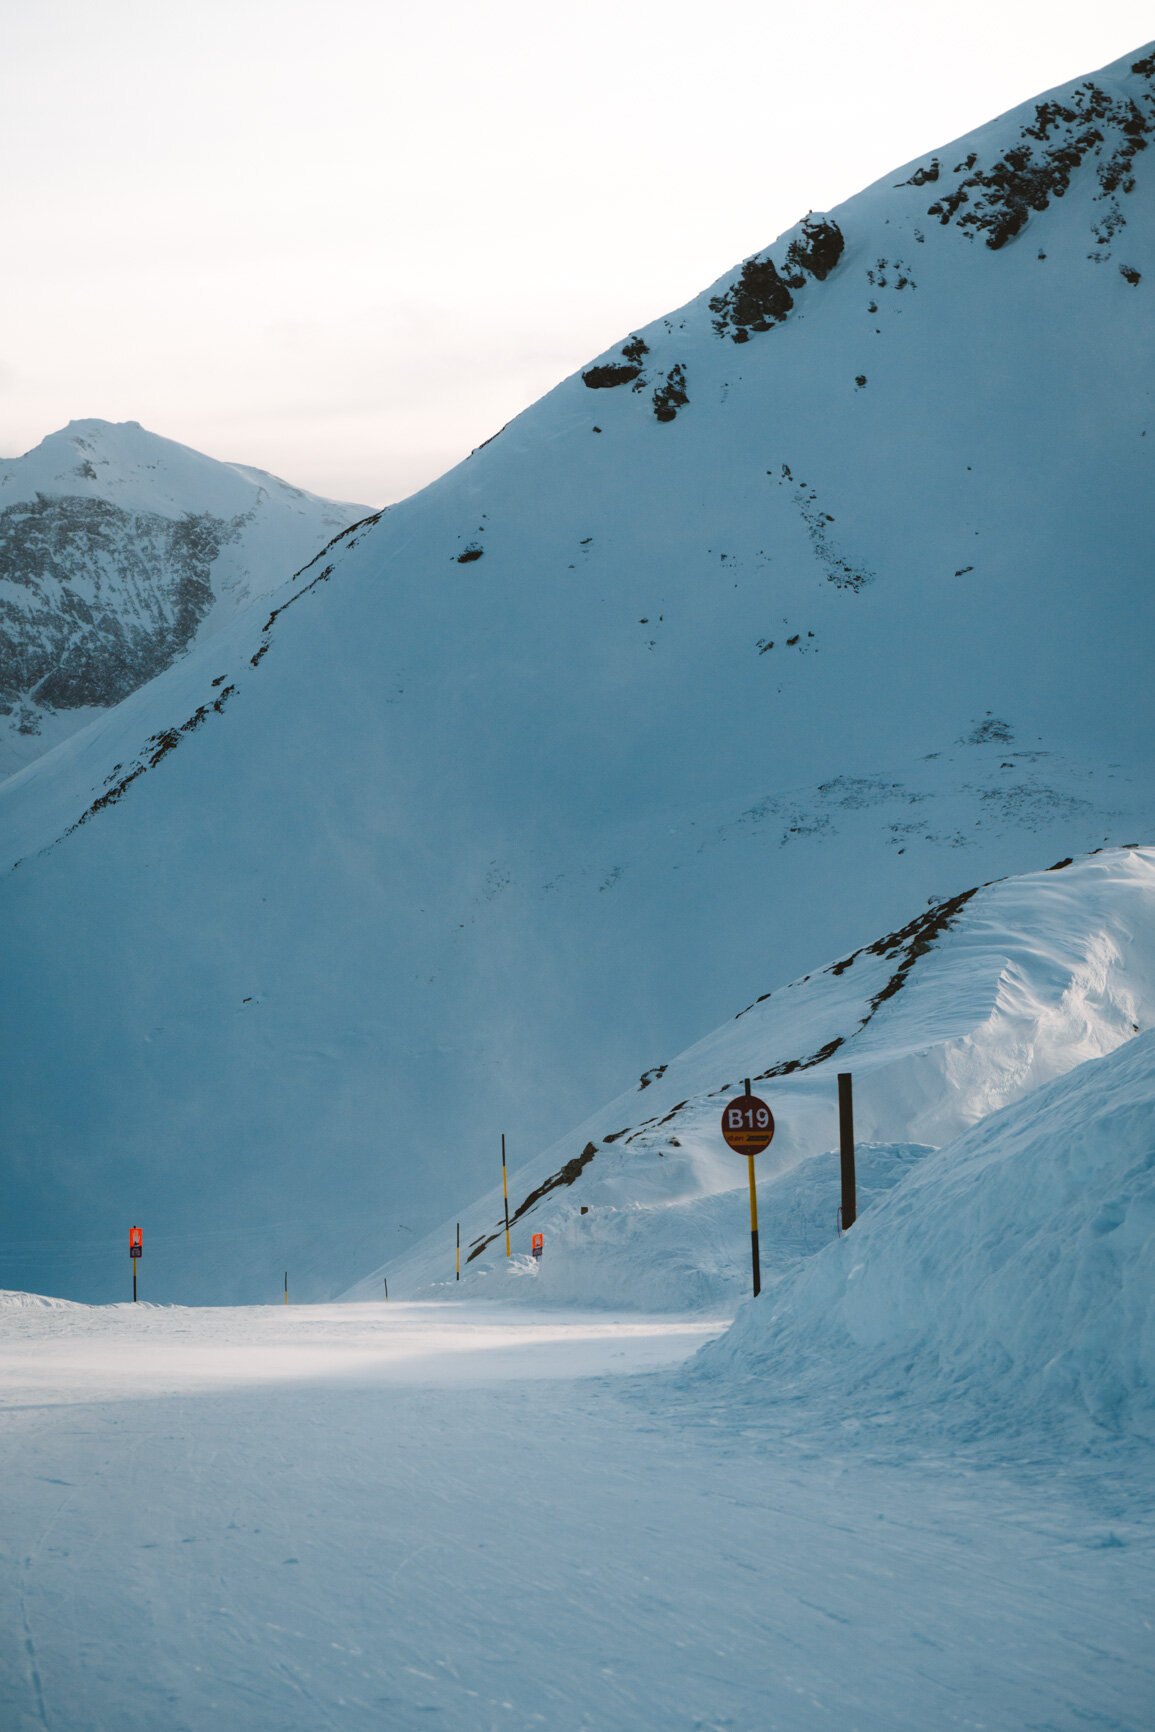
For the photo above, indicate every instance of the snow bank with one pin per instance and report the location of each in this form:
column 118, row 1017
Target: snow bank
column 1012, row 1273
column 964, row 1011
column 15, row 1301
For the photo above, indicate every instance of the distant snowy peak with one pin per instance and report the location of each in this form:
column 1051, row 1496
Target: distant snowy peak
column 123, row 462
column 117, row 549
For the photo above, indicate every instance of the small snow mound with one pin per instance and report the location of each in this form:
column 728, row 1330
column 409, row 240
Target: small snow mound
column 10, row 1300
column 1008, row 1281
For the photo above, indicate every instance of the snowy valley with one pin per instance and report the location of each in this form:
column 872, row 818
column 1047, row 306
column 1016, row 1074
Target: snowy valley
column 523, row 786
column 768, row 701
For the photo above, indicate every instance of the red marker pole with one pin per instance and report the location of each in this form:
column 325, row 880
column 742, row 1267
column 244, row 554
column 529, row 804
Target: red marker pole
column 135, row 1248
column 505, row 1191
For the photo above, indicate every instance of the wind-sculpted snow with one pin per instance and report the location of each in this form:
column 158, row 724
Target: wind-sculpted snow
column 1009, row 1281
column 683, row 682
column 978, row 1002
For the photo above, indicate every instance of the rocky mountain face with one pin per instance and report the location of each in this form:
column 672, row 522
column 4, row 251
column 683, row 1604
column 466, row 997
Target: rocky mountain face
column 117, row 548
column 821, row 600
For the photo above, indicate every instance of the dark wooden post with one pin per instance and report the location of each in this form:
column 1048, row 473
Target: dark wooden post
column 846, row 1148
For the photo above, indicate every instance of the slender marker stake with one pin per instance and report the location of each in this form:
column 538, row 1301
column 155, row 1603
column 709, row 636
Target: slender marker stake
column 754, row 1227
column 505, row 1189
column 846, row 1149
column 386, row 1280
column 748, row 1129
column 134, row 1280
column 459, row 1250
column 286, row 1286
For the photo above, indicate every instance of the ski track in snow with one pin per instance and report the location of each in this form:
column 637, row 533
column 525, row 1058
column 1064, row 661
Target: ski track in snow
column 365, row 1516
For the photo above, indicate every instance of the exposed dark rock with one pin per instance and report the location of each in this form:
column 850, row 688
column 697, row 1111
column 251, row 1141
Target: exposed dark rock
column 760, row 297
column 757, row 300
column 613, row 373
column 818, row 249
column 108, row 598
column 671, row 396
column 992, row 729
column 924, row 176
column 470, row 554
column 997, row 202
column 623, row 372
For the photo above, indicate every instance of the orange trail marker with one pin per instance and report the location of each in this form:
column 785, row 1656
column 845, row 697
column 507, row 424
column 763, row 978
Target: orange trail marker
column 135, row 1251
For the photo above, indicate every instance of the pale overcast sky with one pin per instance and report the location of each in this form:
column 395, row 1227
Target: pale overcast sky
column 346, row 242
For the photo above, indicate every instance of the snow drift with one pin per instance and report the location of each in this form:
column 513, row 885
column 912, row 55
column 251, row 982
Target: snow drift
column 1010, row 1280
column 973, row 1005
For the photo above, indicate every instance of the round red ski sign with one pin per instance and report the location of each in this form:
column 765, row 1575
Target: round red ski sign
column 747, row 1125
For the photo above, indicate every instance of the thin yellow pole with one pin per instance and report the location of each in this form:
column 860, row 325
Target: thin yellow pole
column 459, row 1250
column 505, row 1189
column 754, row 1227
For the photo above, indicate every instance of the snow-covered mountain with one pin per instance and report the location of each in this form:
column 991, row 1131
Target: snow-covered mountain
column 815, row 603
column 117, row 550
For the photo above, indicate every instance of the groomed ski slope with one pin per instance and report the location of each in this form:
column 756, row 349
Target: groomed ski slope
column 356, row 1517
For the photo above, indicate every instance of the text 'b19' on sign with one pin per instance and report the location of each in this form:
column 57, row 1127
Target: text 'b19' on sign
column 747, row 1124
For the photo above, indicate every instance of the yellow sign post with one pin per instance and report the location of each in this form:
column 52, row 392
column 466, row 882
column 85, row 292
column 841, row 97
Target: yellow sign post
column 748, row 1126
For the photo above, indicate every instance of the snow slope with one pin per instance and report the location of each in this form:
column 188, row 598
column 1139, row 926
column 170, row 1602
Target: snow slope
column 277, row 1520
column 1010, row 1281
column 975, row 1005
column 634, row 716
column 117, row 550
